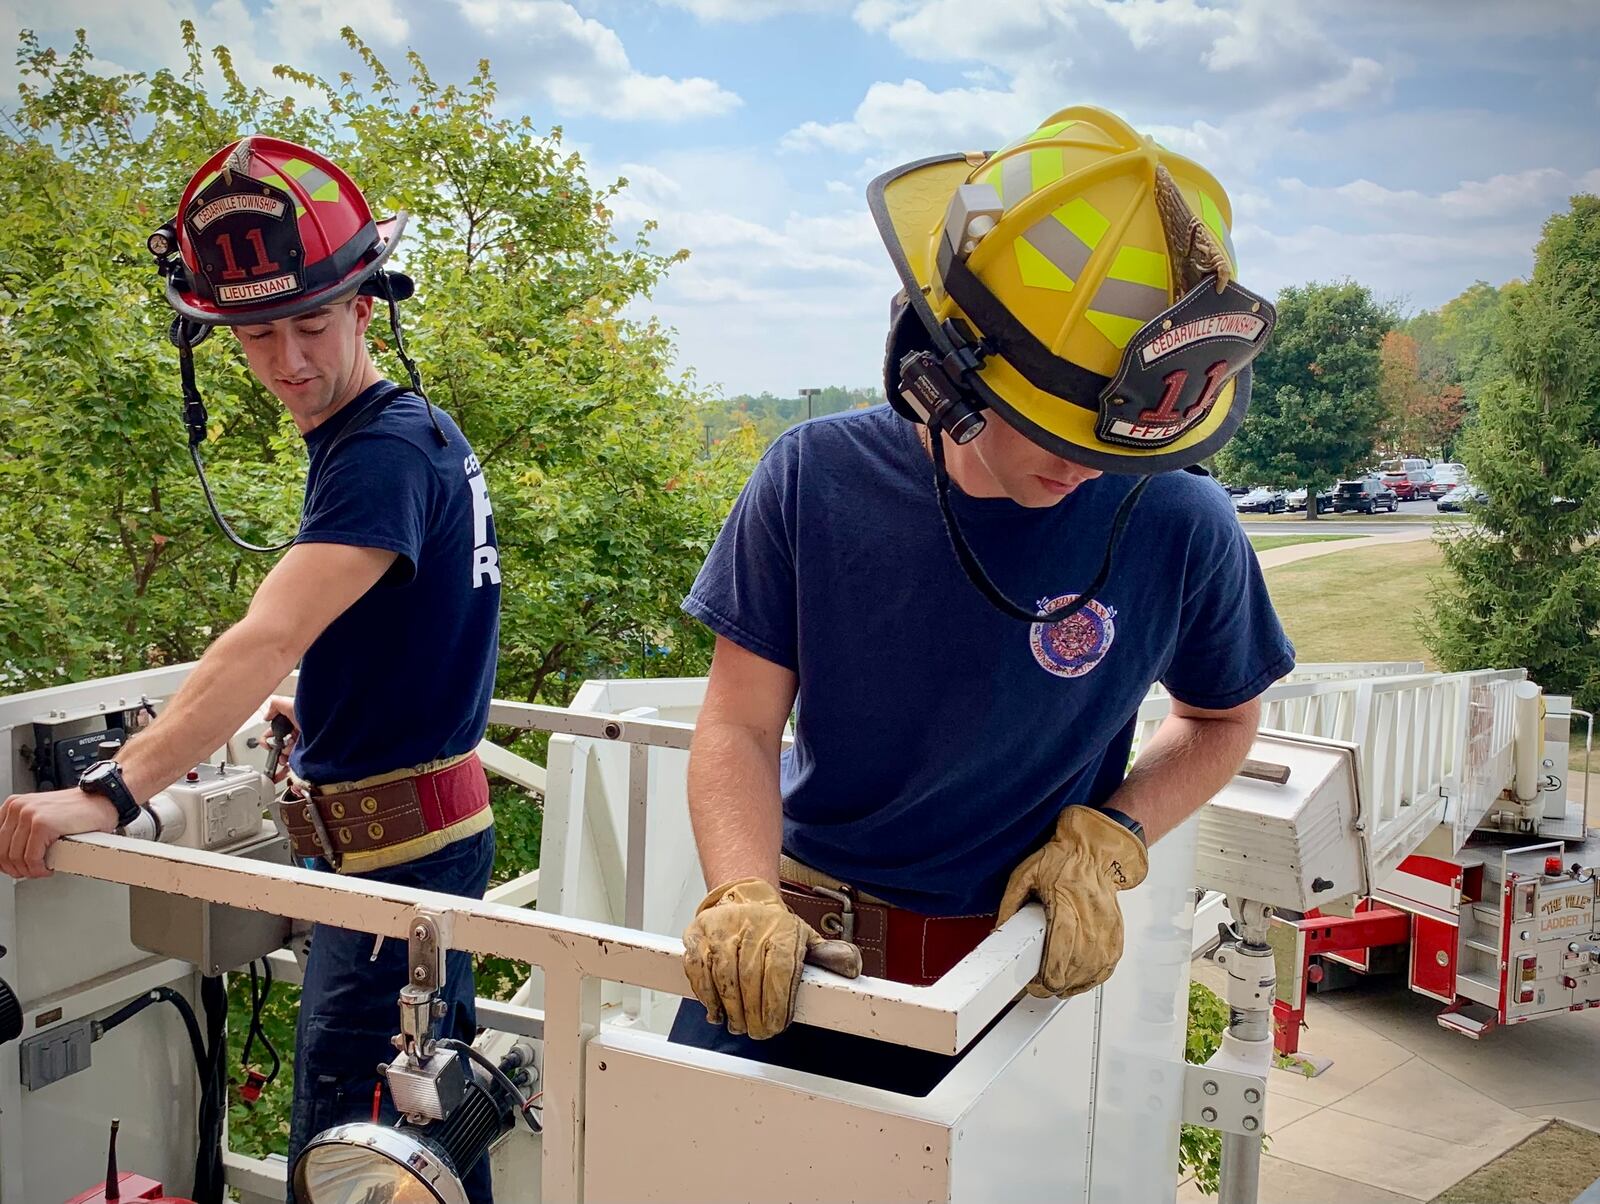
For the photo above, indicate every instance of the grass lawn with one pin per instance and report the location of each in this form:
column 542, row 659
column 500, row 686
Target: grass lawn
column 1360, row 605
column 1263, row 543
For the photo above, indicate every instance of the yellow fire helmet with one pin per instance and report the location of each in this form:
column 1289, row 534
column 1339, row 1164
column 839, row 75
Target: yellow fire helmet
column 1080, row 283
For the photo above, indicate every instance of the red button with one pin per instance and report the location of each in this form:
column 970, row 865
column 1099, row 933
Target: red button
column 194, row 776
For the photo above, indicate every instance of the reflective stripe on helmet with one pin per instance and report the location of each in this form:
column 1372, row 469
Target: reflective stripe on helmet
column 1053, row 252
column 319, row 185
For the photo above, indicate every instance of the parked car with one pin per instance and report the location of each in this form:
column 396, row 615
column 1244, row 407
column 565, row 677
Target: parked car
column 1410, row 485
column 1462, row 496
column 1404, row 464
column 1296, row 500
column 1367, row 494
column 1261, row 500
column 1446, row 477
column 1235, row 490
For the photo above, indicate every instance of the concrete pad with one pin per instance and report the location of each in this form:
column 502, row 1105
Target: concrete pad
column 1283, row 1110
column 1549, row 1061
column 1380, row 1155
column 1359, row 1056
column 1285, row 1183
column 1584, row 1113
column 1421, row 1098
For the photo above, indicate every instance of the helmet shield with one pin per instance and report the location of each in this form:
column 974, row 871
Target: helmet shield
column 247, row 242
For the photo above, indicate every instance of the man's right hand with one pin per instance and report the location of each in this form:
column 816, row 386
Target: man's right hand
column 743, row 953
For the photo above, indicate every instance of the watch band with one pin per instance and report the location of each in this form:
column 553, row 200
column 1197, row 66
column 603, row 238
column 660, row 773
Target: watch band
column 1126, row 820
column 105, row 779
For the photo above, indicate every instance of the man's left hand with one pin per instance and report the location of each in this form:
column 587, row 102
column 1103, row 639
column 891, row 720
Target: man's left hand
column 1077, row 876
column 31, row 823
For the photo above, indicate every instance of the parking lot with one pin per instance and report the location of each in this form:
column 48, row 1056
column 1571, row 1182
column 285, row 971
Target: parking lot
column 1409, row 513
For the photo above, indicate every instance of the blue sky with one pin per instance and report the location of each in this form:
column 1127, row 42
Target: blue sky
column 1413, row 145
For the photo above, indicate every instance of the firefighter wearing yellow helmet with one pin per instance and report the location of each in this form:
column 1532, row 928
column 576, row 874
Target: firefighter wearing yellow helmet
column 1069, row 329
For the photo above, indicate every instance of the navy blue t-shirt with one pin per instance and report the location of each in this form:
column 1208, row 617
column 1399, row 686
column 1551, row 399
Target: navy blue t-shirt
column 405, row 675
column 936, row 739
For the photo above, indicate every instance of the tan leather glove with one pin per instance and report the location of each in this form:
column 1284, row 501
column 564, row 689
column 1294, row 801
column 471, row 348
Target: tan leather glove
column 743, row 953
column 1077, row 876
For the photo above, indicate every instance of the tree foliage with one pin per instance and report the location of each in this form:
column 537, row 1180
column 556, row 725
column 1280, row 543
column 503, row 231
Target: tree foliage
column 1316, row 408
column 1423, row 410
column 1524, row 586
column 1458, row 342
column 770, row 416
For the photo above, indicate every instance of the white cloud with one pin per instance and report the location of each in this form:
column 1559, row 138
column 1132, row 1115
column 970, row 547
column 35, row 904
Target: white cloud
column 581, row 65
column 144, row 36
column 753, row 10
column 1534, row 191
column 911, row 118
column 379, row 22
column 1223, row 83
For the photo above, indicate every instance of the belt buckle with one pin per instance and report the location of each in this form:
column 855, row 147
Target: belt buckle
column 319, row 829
column 847, row 914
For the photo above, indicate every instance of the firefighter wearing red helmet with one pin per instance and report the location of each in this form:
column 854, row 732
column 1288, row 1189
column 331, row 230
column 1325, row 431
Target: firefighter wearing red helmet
column 277, row 243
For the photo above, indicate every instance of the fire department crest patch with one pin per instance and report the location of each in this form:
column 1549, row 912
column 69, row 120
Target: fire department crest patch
column 1074, row 647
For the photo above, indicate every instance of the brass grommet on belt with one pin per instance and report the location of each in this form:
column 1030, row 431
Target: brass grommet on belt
column 832, row 924
column 369, row 805
column 344, row 836
column 337, row 808
column 375, row 831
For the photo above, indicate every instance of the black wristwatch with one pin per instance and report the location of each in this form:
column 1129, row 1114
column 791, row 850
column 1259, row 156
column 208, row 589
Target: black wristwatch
column 1126, row 820
column 105, row 778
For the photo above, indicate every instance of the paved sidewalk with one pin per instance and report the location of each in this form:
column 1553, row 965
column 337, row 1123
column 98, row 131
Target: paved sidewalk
column 1275, row 557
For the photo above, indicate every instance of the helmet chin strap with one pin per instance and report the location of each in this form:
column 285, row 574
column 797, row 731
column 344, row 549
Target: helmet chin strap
column 980, row 579
column 410, row 365
column 194, row 419
column 185, row 335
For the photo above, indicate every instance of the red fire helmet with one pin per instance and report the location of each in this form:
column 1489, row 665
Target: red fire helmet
column 266, row 230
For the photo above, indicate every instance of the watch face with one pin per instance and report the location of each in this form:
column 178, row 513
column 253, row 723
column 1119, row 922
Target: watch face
column 97, row 772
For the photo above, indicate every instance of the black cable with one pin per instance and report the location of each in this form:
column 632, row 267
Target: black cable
column 194, row 419
column 160, row 995
column 405, row 358
column 258, row 1002
column 986, row 586
column 208, row 1183
column 499, row 1076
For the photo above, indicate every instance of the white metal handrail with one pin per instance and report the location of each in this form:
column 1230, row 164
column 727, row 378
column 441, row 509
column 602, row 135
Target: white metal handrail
column 575, row 956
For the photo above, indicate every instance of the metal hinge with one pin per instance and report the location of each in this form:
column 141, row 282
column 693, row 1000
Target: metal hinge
column 1230, row 1101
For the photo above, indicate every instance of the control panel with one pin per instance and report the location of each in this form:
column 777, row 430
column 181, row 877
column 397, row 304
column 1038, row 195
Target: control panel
column 221, row 805
column 1553, row 948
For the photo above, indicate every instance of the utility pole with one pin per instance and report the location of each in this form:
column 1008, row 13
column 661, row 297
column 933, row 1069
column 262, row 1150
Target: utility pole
column 808, row 394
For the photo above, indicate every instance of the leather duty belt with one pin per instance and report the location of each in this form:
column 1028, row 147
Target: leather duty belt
column 897, row 944
column 366, row 821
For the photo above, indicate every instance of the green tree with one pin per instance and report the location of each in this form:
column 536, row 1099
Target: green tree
column 1524, row 582
column 770, row 416
column 1316, row 409
column 1457, row 342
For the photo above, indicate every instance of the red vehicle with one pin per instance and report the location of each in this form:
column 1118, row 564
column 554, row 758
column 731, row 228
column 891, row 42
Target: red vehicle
column 1411, row 485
